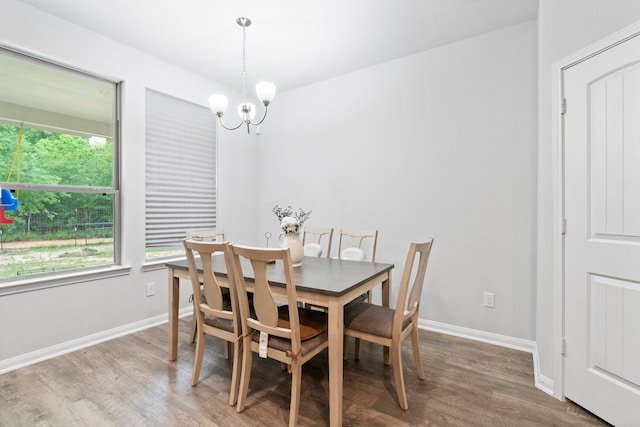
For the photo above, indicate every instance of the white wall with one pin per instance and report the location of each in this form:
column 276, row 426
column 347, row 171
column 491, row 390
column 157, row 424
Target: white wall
column 442, row 144
column 33, row 322
column 564, row 27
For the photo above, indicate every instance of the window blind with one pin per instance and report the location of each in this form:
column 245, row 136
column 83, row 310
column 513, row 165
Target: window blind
column 180, row 170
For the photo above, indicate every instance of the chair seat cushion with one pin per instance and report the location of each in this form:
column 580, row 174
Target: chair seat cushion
column 216, row 322
column 283, row 344
column 312, row 322
column 353, row 254
column 312, row 249
column 371, row 319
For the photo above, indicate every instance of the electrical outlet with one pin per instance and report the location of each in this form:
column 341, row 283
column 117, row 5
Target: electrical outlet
column 489, row 300
column 151, row 289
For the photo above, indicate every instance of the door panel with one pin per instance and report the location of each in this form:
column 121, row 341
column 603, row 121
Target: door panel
column 614, row 144
column 602, row 243
column 612, row 322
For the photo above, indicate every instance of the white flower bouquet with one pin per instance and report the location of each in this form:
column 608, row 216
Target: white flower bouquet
column 290, row 221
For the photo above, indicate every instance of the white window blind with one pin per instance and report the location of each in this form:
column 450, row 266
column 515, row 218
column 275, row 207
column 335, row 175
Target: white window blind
column 180, row 169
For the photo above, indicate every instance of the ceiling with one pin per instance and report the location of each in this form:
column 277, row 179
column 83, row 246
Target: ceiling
column 291, row 42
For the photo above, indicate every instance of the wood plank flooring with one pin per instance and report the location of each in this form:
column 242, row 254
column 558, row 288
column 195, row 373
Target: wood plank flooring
column 129, row 382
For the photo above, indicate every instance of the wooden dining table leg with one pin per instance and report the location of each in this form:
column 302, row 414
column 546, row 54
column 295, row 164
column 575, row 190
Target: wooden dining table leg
column 174, row 302
column 336, row 329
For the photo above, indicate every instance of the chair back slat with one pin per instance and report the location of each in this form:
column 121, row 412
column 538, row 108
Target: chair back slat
column 265, row 306
column 263, row 300
column 213, row 303
column 412, row 281
column 211, row 288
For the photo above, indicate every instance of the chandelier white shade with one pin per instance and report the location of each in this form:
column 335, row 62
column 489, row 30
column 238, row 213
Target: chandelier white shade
column 265, row 92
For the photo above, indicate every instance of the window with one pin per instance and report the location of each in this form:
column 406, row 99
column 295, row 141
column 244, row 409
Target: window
column 180, row 185
column 58, row 168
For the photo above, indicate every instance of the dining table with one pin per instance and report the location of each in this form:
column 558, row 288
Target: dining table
column 324, row 282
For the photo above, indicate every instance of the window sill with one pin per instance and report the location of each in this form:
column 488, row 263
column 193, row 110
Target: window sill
column 160, row 263
column 30, row 284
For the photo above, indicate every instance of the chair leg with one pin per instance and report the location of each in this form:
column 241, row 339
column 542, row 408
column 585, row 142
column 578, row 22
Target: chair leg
column 357, row 349
column 235, row 373
column 416, row 352
column 396, row 361
column 245, row 375
column 296, row 382
column 194, row 325
column 345, row 343
column 227, row 350
column 197, row 363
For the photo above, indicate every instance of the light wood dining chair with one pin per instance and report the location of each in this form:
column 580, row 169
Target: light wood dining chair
column 312, row 241
column 289, row 334
column 351, row 245
column 213, row 316
column 205, row 235
column 388, row 326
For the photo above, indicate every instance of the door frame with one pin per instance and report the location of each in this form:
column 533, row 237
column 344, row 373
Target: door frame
column 558, row 161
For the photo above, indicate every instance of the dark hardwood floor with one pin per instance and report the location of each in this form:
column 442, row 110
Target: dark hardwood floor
column 129, row 382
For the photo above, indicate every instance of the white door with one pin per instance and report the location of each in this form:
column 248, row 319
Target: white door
column 602, row 241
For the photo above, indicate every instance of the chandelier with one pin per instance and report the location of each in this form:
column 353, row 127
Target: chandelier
column 266, row 92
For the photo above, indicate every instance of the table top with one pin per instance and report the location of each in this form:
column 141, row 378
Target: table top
column 319, row 275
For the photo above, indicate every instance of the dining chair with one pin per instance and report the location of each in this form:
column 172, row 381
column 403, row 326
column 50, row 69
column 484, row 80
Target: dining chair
column 350, row 245
column 213, row 316
column 205, row 235
column 312, row 241
column 390, row 326
column 288, row 334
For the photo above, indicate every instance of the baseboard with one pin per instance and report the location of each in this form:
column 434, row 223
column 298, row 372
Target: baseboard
column 477, row 335
column 27, row 359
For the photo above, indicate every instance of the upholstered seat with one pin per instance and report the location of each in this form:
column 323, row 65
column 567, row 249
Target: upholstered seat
column 216, row 322
column 371, row 319
column 312, row 249
column 353, row 254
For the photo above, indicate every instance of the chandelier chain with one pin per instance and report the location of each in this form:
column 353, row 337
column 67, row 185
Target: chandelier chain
column 244, row 64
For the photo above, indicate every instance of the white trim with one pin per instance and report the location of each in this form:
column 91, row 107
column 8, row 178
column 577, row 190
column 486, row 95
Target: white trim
column 63, row 278
column 541, row 382
column 23, row 360
column 557, row 252
column 558, row 192
column 478, row 335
